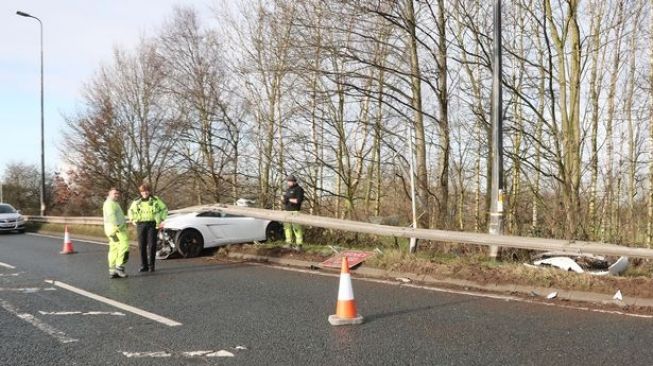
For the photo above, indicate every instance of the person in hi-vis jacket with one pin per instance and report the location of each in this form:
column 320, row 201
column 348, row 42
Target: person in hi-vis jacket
column 115, row 228
column 147, row 213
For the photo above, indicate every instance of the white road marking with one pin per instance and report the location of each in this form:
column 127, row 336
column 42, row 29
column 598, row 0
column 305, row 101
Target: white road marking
column 220, row 353
column 113, row 313
column 119, row 305
column 146, row 354
column 195, row 353
column 44, row 327
column 188, row 354
column 59, row 312
column 16, row 274
column 460, row 292
column 7, row 265
column 80, row 240
column 27, row 290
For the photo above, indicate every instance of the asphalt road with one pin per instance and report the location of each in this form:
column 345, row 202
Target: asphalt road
column 242, row 314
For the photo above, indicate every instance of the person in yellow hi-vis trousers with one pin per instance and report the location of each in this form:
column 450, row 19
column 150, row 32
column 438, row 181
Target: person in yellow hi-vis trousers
column 292, row 201
column 115, row 228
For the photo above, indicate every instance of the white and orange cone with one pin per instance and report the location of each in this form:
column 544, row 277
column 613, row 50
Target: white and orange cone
column 67, row 243
column 346, row 313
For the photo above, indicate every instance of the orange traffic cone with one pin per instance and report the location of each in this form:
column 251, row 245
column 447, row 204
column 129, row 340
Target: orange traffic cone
column 67, row 243
column 346, row 313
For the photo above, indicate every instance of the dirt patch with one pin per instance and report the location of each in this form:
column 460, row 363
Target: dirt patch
column 309, row 254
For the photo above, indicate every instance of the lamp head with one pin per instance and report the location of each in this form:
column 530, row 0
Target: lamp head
column 23, row 14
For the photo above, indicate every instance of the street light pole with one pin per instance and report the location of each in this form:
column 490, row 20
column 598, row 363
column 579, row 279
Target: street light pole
column 496, row 199
column 42, row 193
column 412, row 248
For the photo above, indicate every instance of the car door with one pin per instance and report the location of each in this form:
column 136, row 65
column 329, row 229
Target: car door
column 239, row 229
column 213, row 228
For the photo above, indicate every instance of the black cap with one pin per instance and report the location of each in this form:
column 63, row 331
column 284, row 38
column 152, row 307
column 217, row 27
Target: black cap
column 291, row 178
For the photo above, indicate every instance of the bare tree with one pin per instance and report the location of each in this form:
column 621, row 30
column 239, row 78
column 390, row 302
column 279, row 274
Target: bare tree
column 211, row 116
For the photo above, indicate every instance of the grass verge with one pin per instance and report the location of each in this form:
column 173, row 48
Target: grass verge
column 463, row 263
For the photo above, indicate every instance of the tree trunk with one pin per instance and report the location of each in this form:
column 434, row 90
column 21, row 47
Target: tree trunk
column 569, row 77
column 422, row 181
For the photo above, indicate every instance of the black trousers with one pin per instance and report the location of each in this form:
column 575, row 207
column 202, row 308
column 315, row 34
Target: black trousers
column 147, row 242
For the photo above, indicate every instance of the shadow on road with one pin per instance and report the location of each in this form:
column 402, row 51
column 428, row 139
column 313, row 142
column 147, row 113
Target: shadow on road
column 373, row 317
column 190, row 268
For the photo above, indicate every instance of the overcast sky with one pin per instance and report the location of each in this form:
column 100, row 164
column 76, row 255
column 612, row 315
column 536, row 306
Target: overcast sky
column 78, row 36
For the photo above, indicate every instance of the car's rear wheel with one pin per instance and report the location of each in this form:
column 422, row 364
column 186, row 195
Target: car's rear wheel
column 190, row 243
column 274, row 232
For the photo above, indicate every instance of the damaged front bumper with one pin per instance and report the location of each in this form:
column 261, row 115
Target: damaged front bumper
column 165, row 245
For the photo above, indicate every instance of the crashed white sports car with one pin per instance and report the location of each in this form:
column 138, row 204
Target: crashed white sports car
column 189, row 233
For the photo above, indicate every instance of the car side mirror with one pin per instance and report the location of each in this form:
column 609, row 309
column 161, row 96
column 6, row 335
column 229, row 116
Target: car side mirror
column 18, row 211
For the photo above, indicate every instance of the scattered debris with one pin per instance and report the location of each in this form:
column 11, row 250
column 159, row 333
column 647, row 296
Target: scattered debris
column 533, row 294
column 594, row 261
column 378, row 250
column 354, row 258
column 582, row 263
column 615, row 269
column 552, row 295
column 564, row 263
column 240, row 347
column 403, row 279
column 618, row 296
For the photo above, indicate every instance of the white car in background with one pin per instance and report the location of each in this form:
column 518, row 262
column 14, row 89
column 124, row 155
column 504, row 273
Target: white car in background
column 189, row 233
column 11, row 219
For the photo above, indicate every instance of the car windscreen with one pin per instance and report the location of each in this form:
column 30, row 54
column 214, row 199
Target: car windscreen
column 6, row 209
column 216, row 214
column 210, row 214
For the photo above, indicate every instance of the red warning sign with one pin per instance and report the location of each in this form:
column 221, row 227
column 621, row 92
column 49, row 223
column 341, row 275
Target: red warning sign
column 354, row 257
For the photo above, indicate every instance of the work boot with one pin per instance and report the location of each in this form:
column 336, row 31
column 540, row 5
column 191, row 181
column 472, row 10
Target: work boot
column 152, row 267
column 143, row 269
column 112, row 273
column 120, row 272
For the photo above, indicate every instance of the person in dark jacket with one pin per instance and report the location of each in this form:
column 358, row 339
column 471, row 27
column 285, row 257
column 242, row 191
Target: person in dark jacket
column 292, row 201
column 147, row 213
